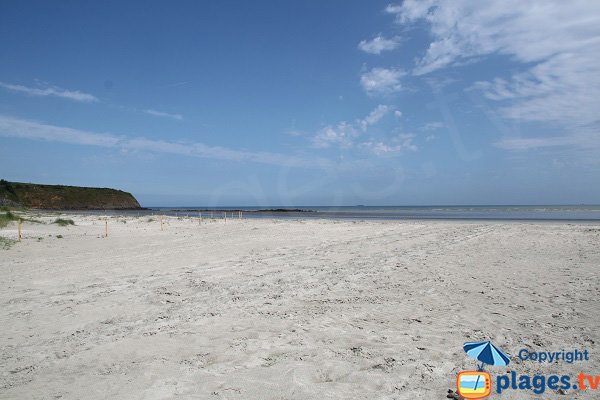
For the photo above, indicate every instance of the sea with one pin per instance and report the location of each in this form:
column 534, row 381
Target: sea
column 467, row 212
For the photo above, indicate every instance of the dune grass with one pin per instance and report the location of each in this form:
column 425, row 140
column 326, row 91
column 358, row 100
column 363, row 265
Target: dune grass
column 33, row 221
column 63, row 222
column 7, row 218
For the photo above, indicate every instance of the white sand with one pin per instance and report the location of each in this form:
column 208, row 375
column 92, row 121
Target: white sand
column 264, row 309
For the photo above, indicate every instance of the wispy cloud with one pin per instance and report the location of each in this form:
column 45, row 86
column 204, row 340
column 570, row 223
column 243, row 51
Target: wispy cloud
column 559, row 79
column 379, row 44
column 343, row 134
column 162, row 114
column 54, row 91
column 76, row 95
column 26, row 129
column 587, row 140
column 399, row 143
column 349, row 135
column 382, row 80
column 374, row 116
column 174, row 84
column 432, row 126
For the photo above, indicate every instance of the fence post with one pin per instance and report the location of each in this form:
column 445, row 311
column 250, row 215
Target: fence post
column 20, row 223
column 106, row 228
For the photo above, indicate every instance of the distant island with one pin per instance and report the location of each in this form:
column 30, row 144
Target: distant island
column 59, row 197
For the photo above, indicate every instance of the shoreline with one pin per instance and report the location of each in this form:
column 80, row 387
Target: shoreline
column 304, row 215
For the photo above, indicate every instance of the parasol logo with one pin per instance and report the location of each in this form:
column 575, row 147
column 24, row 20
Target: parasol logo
column 478, row 384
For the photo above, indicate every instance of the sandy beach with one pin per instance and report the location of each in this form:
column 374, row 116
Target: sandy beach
column 277, row 309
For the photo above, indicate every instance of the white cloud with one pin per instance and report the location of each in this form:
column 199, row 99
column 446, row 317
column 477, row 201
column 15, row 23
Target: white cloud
column 162, row 114
column 379, row 44
column 410, row 10
column 381, row 80
column 25, row 129
column 580, row 139
column 398, row 113
column 374, row 116
column 174, row 84
column 344, row 133
column 432, row 126
column 348, row 135
column 400, row 143
column 393, row 8
column 74, row 95
column 13, row 127
column 556, row 44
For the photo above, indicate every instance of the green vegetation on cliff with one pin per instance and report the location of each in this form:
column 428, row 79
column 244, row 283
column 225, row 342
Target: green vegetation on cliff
column 59, row 197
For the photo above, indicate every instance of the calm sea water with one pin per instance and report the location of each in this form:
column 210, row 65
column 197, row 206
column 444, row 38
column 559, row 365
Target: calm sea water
column 549, row 213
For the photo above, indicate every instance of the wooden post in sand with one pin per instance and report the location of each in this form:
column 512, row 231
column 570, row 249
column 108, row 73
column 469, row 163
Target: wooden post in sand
column 20, row 223
column 106, row 228
column 161, row 222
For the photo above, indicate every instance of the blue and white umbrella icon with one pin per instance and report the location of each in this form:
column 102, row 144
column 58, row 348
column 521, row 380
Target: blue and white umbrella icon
column 487, row 353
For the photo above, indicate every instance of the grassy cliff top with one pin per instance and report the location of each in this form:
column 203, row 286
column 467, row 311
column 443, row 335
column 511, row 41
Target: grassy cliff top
column 33, row 195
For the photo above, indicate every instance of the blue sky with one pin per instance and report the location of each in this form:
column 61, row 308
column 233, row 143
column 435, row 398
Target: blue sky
column 305, row 103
